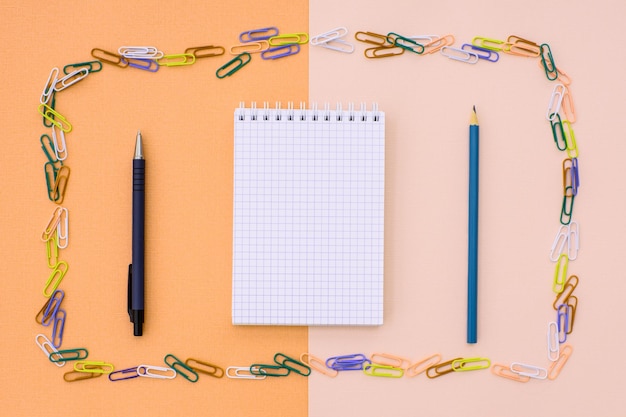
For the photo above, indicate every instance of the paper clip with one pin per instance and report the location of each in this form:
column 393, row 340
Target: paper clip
column 177, row 60
column 181, row 368
column 50, row 172
column 46, row 346
column 258, row 34
column 91, row 66
column 242, row 372
column 488, row 43
column 567, row 208
column 441, row 369
column 567, row 177
column 207, row 51
column 331, row 35
column 568, row 105
column 52, row 104
column 573, row 241
column 71, row 79
column 318, row 364
column 140, row 52
column 95, row 367
column 353, row 362
column 124, row 374
column 47, row 145
column 60, row 184
column 558, row 245
column 386, row 371
column 281, row 51
column 558, row 132
column 338, row 45
column 54, row 117
column 372, row 38
column 278, row 40
column 547, row 60
column 40, row 317
column 436, row 44
column 521, row 47
column 57, row 328
column 48, row 90
column 554, row 106
column 470, row 364
column 575, row 176
column 205, row 368
column 505, row 372
column 156, row 372
column 62, row 237
column 390, row 360
column 560, row 272
column 55, row 278
column 459, row 55
column 52, row 307
column 562, row 321
column 530, row 371
column 570, row 140
column 555, row 368
column 422, row 365
column 51, row 227
column 292, row 364
column 482, row 53
column 568, row 289
column 405, row 43
column 251, row 47
column 145, row 64
column 60, row 148
column 109, row 57
column 553, row 341
column 572, row 304
column 233, row 65
column 383, row 52
column 269, row 370
column 74, row 376
column 68, row 355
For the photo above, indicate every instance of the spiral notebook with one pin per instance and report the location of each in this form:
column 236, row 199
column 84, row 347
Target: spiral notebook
column 308, row 229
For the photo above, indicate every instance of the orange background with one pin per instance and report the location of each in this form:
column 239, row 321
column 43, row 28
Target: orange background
column 185, row 115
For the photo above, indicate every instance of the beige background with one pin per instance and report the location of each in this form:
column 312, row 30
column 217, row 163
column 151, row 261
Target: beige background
column 427, row 101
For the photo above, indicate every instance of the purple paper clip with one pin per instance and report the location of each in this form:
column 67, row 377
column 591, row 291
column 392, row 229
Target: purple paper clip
column 483, row 53
column 52, row 307
column 124, row 374
column 575, row 177
column 143, row 64
column 57, row 329
column 352, row 362
column 258, row 34
column 276, row 52
column 562, row 321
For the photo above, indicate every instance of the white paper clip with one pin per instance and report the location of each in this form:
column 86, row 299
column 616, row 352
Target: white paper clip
column 553, row 341
column 573, row 240
column 339, row 45
column 63, row 229
column 48, row 89
column 424, row 39
column 560, row 240
column 459, row 54
column 70, row 79
column 530, row 371
column 157, row 372
column 556, row 99
column 242, row 372
column 331, row 35
column 48, row 348
column 60, row 149
column 140, row 52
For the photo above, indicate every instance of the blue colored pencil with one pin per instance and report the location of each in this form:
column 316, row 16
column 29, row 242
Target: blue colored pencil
column 472, row 259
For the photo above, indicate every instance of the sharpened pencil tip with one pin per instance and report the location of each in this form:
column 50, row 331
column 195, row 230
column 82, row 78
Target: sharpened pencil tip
column 474, row 109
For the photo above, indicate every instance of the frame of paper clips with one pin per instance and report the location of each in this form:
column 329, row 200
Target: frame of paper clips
column 269, row 44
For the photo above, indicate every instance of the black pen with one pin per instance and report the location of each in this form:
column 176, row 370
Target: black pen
column 135, row 269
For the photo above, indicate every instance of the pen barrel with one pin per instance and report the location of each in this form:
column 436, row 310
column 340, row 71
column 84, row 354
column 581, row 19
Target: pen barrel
column 472, row 264
column 137, row 284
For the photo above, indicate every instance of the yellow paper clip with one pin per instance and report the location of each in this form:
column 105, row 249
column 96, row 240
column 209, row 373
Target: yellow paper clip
column 505, row 372
column 521, row 47
column 555, row 368
column 55, row 278
column 95, row 367
column 299, row 38
column 570, row 139
column 390, row 360
column 423, row 364
column 560, row 272
column 206, row 51
column 109, row 57
column 385, row 371
column 318, row 364
column 205, row 368
column 74, row 376
column 250, row 47
column 488, row 43
column 51, row 227
column 470, row 364
column 436, row 44
column 54, row 117
column 177, row 60
column 440, row 369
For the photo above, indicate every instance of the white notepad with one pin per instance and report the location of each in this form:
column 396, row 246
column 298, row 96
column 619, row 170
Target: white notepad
column 308, row 233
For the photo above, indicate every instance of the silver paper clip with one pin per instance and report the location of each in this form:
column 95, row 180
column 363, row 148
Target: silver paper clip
column 556, row 99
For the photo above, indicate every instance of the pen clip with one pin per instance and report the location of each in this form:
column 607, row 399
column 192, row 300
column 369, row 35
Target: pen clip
column 130, row 291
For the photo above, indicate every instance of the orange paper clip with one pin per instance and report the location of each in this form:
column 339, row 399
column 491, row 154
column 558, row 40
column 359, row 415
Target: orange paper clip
column 422, row 365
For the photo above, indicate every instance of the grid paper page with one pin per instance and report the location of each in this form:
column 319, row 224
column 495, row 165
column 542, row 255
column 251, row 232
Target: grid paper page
column 308, row 217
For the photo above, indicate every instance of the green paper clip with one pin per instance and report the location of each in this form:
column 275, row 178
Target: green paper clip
column 558, row 132
column 68, row 355
column 236, row 63
column 405, row 43
column 180, row 368
column 292, row 364
column 91, row 66
column 269, row 370
column 548, row 62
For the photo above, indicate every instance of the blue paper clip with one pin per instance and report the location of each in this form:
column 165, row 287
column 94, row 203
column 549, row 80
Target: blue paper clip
column 128, row 373
column 483, row 53
column 562, row 321
column 52, row 307
column 352, row 362
column 143, row 64
column 258, row 34
column 277, row 51
column 57, row 329
column 575, row 176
